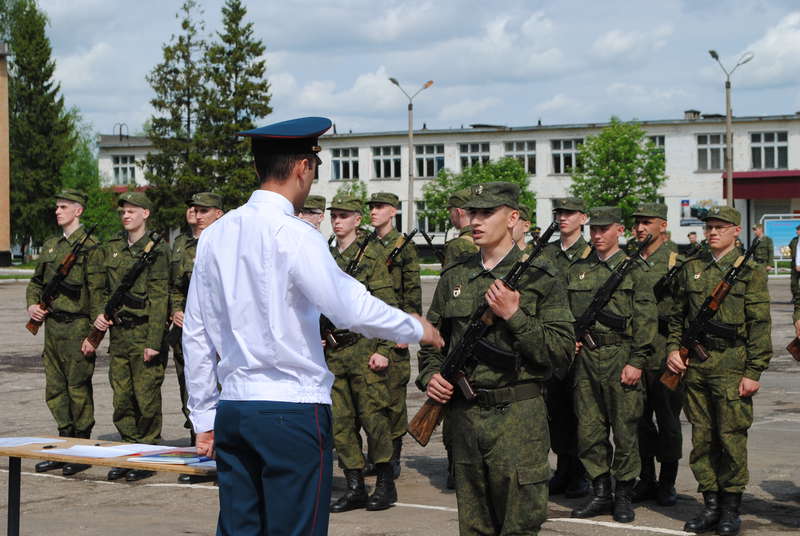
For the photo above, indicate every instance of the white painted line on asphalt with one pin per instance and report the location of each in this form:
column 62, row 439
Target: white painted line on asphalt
column 619, row 526
column 176, row 485
column 427, row 507
column 59, row 477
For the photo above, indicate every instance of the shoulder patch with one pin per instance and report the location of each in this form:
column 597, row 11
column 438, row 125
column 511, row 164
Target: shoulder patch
column 673, row 258
column 586, row 252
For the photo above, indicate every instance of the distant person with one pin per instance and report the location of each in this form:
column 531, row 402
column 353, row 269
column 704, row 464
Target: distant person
column 459, row 218
column 692, row 236
column 795, row 260
column 765, row 251
column 313, row 210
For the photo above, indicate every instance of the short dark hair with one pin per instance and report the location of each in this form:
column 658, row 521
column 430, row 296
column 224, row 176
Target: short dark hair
column 275, row 166
column 692, row 233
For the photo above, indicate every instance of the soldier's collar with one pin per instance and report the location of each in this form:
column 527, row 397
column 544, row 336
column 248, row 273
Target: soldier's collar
column 612, row 261
column 502, row 267
column 727, row 260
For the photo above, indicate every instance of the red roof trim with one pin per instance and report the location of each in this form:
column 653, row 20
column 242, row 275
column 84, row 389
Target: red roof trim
column 770, row 174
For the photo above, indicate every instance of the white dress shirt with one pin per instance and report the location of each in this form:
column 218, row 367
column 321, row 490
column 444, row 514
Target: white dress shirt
column 261, row 279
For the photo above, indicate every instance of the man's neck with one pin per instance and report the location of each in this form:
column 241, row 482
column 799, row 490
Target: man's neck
column 568, row 240
column 384, row 229
column 136, row 234
column 491, row 256
column 195, row 232
column 608, row 254
column 653, row 247
column 71, row 227
column 287, row 190
column 344, row 242
column 718, row 253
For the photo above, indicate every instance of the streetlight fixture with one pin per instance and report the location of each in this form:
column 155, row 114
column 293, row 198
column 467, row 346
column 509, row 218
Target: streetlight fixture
column 410, row 207
column 747, row 56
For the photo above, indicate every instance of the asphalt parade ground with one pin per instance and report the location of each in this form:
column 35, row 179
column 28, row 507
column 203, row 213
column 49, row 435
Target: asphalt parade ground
column 86, row 504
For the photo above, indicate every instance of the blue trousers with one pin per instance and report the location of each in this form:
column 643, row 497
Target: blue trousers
column 275, row 465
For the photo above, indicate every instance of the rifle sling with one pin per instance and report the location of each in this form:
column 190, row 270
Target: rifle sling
column 614, row 321
column 496, row 358
column 73, row 292
column 131, row 301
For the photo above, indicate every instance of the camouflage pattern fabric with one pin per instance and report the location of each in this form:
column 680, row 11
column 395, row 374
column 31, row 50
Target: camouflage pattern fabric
column 180, row 273
column 765, row 251
column 458, row 246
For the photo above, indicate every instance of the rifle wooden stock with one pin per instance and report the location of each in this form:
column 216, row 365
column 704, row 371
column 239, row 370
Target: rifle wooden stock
column 669, row 378
column 95, row 337
column 425, row 421
column 794, row 348
column 34, row 325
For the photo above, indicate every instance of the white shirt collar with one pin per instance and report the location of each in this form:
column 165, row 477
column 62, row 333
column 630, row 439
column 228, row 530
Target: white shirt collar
column 272, row 198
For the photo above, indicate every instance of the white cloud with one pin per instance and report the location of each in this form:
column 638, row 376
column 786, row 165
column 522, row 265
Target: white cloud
column 398, row 21
column 371, row 92
column 618, row 45
column 467, row 109
column 78, row 70
column 777, row 56
column 557, row 103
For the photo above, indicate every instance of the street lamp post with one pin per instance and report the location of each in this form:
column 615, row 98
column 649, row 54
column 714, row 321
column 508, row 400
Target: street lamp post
column 5, row 172
column 410, row 203
column 747, row 56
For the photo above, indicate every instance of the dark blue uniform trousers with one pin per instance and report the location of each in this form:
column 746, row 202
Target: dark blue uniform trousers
column 275, row 466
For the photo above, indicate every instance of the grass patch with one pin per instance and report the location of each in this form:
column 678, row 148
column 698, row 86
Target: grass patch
column 14, row 276
column 429, row 271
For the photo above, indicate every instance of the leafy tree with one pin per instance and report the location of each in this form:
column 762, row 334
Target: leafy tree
column 234, row 94
column 438, row 191
column 41, row 130
column 619, row 167
column 357, row 188
column 173, row 168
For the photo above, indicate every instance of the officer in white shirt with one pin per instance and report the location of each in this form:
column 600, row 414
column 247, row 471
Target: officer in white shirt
column 261, row 279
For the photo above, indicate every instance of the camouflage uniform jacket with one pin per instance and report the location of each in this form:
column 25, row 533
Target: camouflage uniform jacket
column 539, row 333
column 149, row 296
column 563, row 259
column 746, row 307
column 458, row 246
column 764, row 253
column 180, row 270
column 404, row 271
column 73, row 296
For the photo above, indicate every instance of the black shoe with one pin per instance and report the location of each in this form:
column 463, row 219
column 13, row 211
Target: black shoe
column 356, row 494
column 623, row 511
column 708, row 518
column 578, row 485
column 117, row 472
column 73, row 468
column 385, row 494
column 183, row 478
column 196, row 479
column 49, row 465
column 560, row 479
column 397, row 449
column 602, row 502
column 138, row 474
column 729, row 521
column 665, row 493
column 644, row 490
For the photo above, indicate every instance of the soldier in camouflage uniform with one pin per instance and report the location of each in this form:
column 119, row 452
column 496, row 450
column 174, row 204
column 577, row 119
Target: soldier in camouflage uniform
column 500, row 439
column 661, row 439
column 570, row 476
column 522, row 227
column 765, row 251
column 406, row 284
column 68, row 373
column 360, row 393
column 719, row 391
column 137, row 349
column 463, row 243
column 608, row 392
column 313, row 210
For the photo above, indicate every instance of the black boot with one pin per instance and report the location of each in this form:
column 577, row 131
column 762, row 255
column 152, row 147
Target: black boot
column 560, row 479
column 602, row 501
column 577, row 483
column 385, row 494
column 49, row 465
column 397, row 449
column 708, row 518
column 666, row 494
column 729, row 521
column 623, row 511
column 356, row 494
column 646, row 488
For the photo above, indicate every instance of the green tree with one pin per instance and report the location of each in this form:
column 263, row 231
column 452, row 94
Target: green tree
column 235, row 93
column 357, row 188
column 438, row 191
column 41, row 130
column 173, row 168
column 619, row 167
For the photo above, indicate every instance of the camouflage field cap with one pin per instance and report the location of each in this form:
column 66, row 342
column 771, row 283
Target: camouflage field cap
column 723, row 213
column 569, row 203
column 386, row 198
column 135, row 198
column 493, row 194
column 346, row 202
column 459, row 198
column 524, row 213
column 73, row 195
column 315, row 202
column 605, row 215
column 206, row 199
column 651, row 210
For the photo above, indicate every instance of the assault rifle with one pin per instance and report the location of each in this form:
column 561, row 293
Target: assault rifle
column 601, row 298
column 399, row 248
column 326, row 326
column 439, row 254
column 663, row 286
column 453, row 368
column 794, row 348
column 700, row 324
column 53, row 287
column 117, row 300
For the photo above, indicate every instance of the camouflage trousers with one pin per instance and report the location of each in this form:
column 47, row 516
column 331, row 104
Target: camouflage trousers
column 177, row 357
column 604, row 405
column 720, row 420
column 136, row 385
column 398, row 376
column 68, row 377
column 794, row 283
column 501, row 468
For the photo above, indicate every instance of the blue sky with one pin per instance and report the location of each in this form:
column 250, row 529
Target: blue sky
column 501, row 62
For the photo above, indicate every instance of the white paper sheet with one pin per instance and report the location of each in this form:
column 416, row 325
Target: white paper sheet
column 91, row 451
column 21, row 441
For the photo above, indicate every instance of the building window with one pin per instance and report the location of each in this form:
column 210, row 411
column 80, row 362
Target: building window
column 565, row 154
column 473, row 153
column 525, row 152
column 124, row 169
column 710, row 151
column 770, row 150
column 430, row 160
column 344, row 163
column 658, row 141
column 386, row 161
column 424, row 223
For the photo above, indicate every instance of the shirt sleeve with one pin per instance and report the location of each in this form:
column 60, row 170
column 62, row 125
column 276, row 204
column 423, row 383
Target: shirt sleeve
column 758, row 324
column 645, row 320
column 345, row 301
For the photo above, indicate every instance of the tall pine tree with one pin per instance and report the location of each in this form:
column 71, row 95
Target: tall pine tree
column 173, row 168
column 41, row 130
column 235, row 95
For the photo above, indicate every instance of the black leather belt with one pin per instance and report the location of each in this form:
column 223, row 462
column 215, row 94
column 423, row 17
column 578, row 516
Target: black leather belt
column 63, row 316
column 713, row 343
column 507, row 395
column 608, row 339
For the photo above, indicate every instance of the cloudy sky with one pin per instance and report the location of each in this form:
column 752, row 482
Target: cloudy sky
column 502, row 62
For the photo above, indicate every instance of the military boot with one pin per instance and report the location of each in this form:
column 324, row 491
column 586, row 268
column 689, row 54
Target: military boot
column 623, row 511
column 397, row 449
column 356, row 494
column 708, row 518
column 385, row 494
column 602, row 502
column 646, row 488
column 666, row 494
column 560, row 479
column 577, row 483
column 729, row 521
